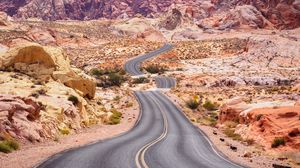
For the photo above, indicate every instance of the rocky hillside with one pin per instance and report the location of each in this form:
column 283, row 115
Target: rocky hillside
column 256, row 13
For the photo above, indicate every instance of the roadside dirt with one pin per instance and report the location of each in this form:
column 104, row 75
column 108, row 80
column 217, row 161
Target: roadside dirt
column 252, row 156
column 29, row 157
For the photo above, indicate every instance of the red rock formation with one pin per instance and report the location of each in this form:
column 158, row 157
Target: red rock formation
column 284, row 14
column 17, row 116
column 264, row 124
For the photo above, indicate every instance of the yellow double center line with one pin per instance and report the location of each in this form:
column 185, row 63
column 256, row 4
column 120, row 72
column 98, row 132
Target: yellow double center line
column 140, row 156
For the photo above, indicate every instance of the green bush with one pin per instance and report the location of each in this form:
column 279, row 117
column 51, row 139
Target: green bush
column 97, row 72
column 192, row 104
column 140, row 80
column 73, row 99
column 9, row 145
column 230, row 133
column 109, row 77
column 277, row 142
column 115, row 79
column 208, row 105
column 115, row 118
column 154, row 69
column 64, row 131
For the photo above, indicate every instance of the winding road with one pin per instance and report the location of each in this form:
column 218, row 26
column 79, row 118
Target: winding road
column 162, row 137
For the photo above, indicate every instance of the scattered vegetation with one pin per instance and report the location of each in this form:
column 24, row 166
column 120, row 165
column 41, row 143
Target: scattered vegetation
column 210, row 106
column 39, row 92
column 109, row 77
column 208, row 121
column 73, row 99
column 231, row 124
column 129, row 104
column 115, row 118
column 277, row 142
column 230, row 133
column 249, row 141
column 64, row 131
column 8, row 144
column 154, row 69
column 140, row 80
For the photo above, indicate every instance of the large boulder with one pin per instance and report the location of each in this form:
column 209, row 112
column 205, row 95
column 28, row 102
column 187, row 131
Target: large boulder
column 46, row 63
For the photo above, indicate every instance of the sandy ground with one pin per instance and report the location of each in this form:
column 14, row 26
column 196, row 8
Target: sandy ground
column 257, row 157
column 33, row 154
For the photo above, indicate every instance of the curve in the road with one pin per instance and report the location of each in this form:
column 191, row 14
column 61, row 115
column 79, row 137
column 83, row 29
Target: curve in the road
column 133, row 66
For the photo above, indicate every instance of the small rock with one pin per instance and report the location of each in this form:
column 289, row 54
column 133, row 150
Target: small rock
column 222, row 139
column 233, row 148
column 247, row 154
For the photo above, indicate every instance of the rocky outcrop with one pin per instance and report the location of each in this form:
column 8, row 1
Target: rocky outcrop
column 19, row 117
column 172, row 21
column 264, row 121
column 231, row 110
column 244, row 16
column 82, row 10
column 46, row 63
column 282, row 14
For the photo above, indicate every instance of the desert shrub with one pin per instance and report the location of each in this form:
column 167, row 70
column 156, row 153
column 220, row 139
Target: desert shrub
column 154, row 69
column 192, row 104
column 109, row 77
column 230, row 133
column 210, row 106
column 42, row 92
column 249, row 141
column 277, row 142
column 115, row 118
column 117, row 98
column 115, row 79
column 97, row 72
column 5, row 148
column 64, row 131
column 9, row 145
column 231, row 124
column 73, row 99
column 140, row 80
column 208, row 121
column 129, row 104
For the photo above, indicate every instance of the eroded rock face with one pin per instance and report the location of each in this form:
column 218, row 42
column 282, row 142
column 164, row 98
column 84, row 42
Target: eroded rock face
column 173, row 20
column 246, row 15
column 45, row 63
column 81, row 10
column 264, row 121
column 282, row 14
column 19, row 116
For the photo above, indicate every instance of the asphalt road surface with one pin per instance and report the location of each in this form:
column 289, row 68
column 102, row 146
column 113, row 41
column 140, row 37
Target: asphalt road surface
column 133, row 66
column 165, row 82
column 162, row 138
